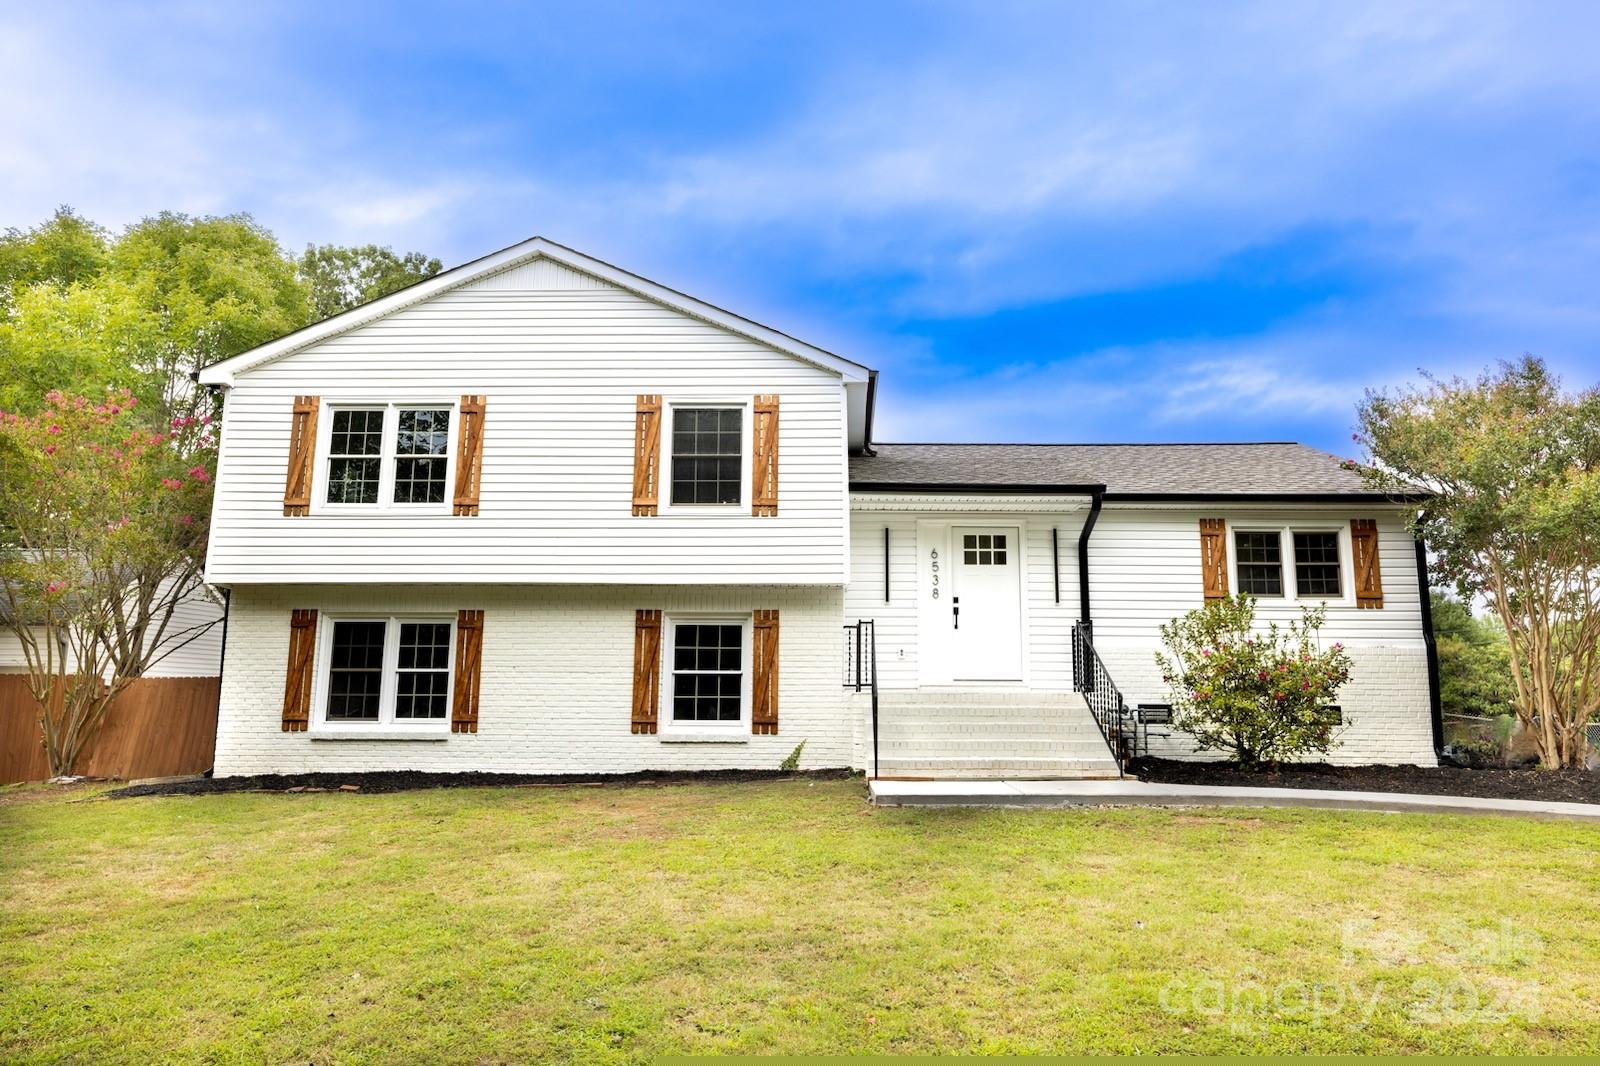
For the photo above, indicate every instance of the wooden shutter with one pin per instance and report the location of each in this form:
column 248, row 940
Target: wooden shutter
column 764, row 458
column 1214, row 558
column 764, row 686
column 469, row 455
column 297, row 682
column 302, row 454
column 1364, row 552
column 646, row 455
column 646, row 670
column 469, row 672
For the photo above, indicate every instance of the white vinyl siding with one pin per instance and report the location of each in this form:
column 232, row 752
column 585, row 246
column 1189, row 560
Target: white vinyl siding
column 560, row 368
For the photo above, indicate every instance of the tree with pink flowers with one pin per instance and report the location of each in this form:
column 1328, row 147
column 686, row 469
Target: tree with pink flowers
column 103, row 524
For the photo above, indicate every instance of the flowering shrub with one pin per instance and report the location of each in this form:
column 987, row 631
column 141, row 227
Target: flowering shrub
column 103, row 524
column 1256, row 694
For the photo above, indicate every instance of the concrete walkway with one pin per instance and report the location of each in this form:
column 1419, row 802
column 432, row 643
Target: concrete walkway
column 1129, row 792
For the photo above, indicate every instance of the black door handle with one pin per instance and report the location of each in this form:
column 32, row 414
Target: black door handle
column 955, row 610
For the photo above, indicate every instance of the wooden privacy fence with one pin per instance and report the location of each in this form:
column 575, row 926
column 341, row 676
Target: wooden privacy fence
column 157, row 727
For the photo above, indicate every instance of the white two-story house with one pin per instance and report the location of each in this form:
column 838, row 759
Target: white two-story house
column 540, row 515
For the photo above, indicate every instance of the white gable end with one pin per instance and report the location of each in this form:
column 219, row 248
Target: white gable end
column 539, row 275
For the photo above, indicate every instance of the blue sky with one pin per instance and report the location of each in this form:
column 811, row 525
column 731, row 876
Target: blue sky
column 1047, row 222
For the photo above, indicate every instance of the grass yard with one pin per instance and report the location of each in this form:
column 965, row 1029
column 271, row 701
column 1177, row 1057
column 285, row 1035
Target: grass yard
column 616, row 924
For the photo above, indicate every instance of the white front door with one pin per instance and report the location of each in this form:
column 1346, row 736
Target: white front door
column 986, row 604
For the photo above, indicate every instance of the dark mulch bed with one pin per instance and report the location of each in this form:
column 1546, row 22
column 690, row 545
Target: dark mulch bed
column 409, row 780
column 1568, row 786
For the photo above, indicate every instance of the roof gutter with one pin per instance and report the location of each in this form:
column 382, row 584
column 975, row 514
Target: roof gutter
column 1084, row 614
column 987, row 489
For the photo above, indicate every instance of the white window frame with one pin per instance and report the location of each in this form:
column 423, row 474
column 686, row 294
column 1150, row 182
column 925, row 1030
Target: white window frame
column 386, row 457
column 1291, row 585
column 389, row 686
column 743, row 404
column 671, row 728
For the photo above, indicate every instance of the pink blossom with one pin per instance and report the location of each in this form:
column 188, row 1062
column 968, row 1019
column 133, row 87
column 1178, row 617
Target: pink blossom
column 54, row 587
column 187, row 520
column 199, row 474
column 49, row 449
column 172, row 482
column 54, row 429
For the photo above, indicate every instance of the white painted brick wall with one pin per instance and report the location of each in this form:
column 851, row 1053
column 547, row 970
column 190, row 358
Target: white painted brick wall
column 1385, row 702
column 557, row 682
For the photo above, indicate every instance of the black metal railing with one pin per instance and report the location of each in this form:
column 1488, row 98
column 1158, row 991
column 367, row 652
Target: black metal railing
column 861, row 670
column 1110, row 711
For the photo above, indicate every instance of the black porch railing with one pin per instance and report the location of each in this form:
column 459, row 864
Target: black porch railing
column 1093, row 680
column 861, row 670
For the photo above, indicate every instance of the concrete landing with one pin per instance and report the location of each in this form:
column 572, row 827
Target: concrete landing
column 1124, row 793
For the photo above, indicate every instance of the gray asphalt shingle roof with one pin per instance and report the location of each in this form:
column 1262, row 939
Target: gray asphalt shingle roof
column 1271, row 469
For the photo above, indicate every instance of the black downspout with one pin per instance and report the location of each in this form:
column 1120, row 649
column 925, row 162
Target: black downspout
column 1084, row 615
column 1435, row 707
column 222, row 661
column 1055, row 560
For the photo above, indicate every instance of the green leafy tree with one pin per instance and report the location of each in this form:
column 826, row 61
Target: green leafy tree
column 1256, row 694
column 143, row 311
column 102, row 533
column 1513, row 465
column 66, row 249
column 341, row 278
column 1474, row 660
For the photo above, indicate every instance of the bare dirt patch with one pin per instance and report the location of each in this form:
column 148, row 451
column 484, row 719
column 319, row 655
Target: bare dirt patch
column 410, row 780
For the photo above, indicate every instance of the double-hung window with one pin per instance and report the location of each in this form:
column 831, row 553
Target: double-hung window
column 388, row 455
column 1259, row 558
column 1316, row 564
column 707, row 455
column 1312, row 570
column 387, row 671
column 709, row 667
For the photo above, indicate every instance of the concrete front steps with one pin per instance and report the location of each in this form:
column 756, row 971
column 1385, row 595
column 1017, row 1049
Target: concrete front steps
column 990, row 733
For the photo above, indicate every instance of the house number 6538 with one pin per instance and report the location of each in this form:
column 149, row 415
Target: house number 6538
column 933, row 561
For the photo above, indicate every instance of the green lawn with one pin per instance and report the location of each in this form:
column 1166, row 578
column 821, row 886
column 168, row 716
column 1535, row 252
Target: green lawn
column 614, row 924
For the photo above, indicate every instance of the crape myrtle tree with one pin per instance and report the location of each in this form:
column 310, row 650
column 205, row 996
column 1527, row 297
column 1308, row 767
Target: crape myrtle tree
column 1513, row 463
column 108, row 447
column 103, row 526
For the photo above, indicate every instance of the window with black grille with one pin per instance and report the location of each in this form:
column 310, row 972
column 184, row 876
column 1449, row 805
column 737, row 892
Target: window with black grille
column 355, row 671
column 1316, row 564
column 355, row 456
column 1259, row 558
column 707, row 671
column 983, row 549
column 707, row 444
column 421, row 451
column 422, row 674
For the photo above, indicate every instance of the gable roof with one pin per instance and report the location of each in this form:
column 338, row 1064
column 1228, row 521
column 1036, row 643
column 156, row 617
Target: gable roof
column 224, row 371
column 1274, row 470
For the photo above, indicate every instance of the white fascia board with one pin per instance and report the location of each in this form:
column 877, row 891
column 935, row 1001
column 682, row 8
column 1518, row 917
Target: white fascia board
column 224, row 372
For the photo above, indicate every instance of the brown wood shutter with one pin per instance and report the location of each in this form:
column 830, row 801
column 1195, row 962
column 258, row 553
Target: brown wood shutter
column 1214, row 558
column 764, row 453
column 302, row 454
column 469, row 455
column 469, row 672
column 646, row 670
column 297, row 682
column 764, row 686
column 646, row 457
column 1364, row 550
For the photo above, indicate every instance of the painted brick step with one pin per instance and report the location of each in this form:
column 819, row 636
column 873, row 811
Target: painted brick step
column 961, row 728
column 945, row 769
column 1010, row 747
